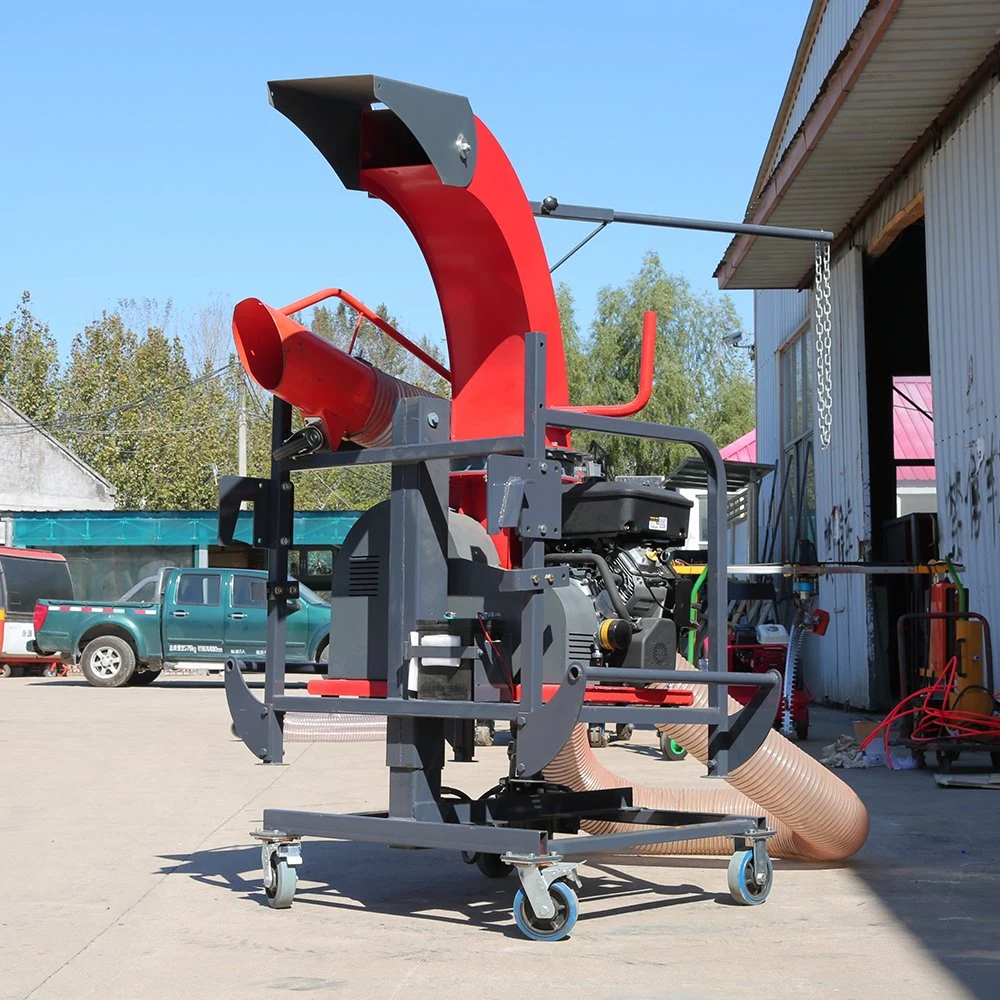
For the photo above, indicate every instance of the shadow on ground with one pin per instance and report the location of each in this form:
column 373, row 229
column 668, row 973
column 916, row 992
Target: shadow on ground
column 427, row 885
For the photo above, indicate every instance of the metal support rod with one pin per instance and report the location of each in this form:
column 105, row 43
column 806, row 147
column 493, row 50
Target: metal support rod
column 624, row 675
column 551, row 209
column 566, row 256
column 407, row 454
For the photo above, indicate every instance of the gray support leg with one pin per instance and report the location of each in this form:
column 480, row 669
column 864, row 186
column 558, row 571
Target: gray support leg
column 418, row 591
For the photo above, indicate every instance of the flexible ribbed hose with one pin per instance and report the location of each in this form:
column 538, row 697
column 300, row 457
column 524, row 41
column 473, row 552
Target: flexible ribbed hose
column 377, row 429
column 319, row 727
column 814, row 815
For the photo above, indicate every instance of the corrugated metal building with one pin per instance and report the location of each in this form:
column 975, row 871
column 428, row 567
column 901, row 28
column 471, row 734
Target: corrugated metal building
column 888, row 134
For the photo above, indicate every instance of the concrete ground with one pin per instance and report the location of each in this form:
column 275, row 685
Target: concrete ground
column 125, row 814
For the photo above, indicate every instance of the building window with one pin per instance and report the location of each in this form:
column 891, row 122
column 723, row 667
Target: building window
column 798, row 477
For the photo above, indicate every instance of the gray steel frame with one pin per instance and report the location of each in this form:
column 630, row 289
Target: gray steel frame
column 524, row 489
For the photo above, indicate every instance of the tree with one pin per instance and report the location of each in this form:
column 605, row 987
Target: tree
column 29, row 364
column 134, row 412
column 697, row 382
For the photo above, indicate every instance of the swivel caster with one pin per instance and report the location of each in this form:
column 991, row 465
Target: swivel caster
column 545, row 907
column 553, row 928
column 624, row 731
column 597, row 736
column 280, row 859
column 749, row 884
column 671, row 749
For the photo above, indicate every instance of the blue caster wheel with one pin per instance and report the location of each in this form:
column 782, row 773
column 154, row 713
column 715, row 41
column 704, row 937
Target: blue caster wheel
column 281, row 889
column 555, row 927
column 742, row 878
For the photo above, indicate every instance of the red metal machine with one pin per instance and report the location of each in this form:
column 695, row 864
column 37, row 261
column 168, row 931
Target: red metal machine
column 499, row 580
column 476, row 229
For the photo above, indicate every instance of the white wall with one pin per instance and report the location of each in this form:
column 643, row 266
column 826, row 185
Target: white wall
column 36, row 473
column 962, row 196
column 840, row 663
column 778, row 315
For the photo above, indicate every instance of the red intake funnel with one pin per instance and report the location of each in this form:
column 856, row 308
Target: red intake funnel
column 351, row 398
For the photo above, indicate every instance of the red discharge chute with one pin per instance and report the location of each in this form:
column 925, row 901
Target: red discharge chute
column 486, row 258
column 350, row 397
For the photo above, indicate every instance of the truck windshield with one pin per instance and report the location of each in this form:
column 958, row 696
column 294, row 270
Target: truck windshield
column 308, row 596
column 27, row 580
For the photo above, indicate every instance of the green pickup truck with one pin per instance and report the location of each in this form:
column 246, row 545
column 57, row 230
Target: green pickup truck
column 191, row 618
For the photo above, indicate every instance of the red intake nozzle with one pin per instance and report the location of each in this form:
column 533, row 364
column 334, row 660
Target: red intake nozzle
column 352, row 398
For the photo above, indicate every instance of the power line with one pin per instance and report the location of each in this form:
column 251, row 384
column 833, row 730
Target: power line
column 74, row 421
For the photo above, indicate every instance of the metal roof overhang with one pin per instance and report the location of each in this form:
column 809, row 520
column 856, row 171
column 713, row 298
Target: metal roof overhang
column 904, row 65
column 691, row 475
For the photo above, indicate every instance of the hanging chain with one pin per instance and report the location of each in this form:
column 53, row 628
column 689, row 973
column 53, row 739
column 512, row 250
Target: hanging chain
column 824, row 348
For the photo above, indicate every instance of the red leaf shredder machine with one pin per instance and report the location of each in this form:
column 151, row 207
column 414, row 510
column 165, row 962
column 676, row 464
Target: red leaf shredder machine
column 503, row 578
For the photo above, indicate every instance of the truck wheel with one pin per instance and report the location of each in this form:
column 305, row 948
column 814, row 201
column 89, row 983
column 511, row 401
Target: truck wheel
column 322, row 663
column 143, row 677
column 5, row 670
column 108, row 661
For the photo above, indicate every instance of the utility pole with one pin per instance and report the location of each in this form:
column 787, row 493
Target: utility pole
column 242, row 466
column 241, row 460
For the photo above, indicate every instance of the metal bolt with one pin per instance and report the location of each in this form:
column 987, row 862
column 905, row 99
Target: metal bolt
column 550, row 578
column 543, row 529
column 285, row 540
column 536, row 579
column 522, row 720
column 712, row 764
column 543, row 467
column 520, row 769
column 286, row 487
column 279, row 590
column 433, row 419
column 463, row 146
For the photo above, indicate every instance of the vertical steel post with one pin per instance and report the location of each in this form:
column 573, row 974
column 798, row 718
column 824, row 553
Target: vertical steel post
column 533, row 549
column 280, row 511
column 417, row 592
column 718, row 736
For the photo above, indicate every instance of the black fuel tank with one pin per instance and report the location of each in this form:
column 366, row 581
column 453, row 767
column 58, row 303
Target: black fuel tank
column 600, row 508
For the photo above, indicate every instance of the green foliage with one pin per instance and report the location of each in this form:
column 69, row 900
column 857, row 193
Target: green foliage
column 29, row 364
column 698, row 382
column 158, row 416
column 133, row 410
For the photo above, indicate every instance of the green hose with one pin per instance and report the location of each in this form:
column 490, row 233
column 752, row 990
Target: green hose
column 675, row 747
column 957, row 580
column 693, row 634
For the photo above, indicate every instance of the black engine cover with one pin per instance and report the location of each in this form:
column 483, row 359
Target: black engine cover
column 599, row 508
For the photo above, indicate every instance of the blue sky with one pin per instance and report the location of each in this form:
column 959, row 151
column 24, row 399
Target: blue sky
column 139, row 156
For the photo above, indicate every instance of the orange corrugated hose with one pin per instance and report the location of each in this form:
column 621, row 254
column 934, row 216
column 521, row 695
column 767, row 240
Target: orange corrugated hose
column 815, row 816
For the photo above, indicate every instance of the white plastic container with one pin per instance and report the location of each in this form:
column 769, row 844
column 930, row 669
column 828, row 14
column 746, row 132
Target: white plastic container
column 434, row 639
column 772, row 635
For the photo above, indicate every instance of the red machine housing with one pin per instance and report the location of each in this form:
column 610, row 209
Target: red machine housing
column 758, row 658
